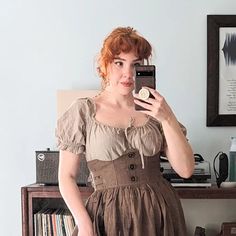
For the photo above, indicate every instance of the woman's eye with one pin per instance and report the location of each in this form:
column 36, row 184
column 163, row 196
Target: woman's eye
column 137, row 64
column 118, row 63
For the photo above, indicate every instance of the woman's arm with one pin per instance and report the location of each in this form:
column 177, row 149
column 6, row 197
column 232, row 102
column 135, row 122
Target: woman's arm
column 68, row 172
column 178, row 150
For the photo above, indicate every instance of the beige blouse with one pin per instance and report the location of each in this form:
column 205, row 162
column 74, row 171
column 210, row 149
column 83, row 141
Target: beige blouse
column 78, row 131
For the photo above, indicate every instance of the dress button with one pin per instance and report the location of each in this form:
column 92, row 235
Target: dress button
column 131, row 154
column 133, row 178
column 132, row 166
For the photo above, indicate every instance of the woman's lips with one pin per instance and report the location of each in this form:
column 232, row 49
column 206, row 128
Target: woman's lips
column 127, row 84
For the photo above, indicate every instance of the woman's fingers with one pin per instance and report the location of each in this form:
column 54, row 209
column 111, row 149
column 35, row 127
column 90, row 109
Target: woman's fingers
column 154, row 92
column 145, row 105
column 155, row 107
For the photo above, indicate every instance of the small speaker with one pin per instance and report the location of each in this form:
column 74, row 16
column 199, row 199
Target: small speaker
column 47, row 163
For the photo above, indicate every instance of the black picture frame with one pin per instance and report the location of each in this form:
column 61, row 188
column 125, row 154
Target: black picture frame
column 214, row 23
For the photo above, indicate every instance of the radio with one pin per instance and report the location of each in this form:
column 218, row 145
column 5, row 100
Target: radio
column 47, row 163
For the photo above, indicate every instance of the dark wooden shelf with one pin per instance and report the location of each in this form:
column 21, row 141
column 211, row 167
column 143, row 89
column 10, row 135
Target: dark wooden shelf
column 213, row 192
column 35, row 196
column 207, row 193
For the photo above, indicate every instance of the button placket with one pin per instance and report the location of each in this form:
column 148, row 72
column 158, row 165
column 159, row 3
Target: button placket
column 132, row 166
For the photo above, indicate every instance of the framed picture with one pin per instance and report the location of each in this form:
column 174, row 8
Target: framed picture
column 221, row 70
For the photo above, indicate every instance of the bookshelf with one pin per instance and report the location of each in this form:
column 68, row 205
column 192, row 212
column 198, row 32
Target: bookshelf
column 34, row 197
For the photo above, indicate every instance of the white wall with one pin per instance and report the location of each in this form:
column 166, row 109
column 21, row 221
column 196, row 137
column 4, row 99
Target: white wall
column 47, row 45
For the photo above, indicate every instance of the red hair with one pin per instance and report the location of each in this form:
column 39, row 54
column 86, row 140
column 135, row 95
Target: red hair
column 122, row 39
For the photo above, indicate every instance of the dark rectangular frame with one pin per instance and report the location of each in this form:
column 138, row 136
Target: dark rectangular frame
column 214, row 22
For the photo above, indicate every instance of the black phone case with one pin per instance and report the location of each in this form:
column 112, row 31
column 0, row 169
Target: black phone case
column 144, row 77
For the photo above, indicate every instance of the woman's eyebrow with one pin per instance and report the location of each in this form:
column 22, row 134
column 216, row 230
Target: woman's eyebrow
column 138, row 59
column 119, row 58
column 122, row 59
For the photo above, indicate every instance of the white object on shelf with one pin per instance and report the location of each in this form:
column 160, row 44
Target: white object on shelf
column 228, row 185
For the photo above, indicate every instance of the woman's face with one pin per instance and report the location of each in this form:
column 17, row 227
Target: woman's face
column 121, row 73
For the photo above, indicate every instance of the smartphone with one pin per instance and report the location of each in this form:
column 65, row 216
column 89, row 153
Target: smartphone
column 145, row 76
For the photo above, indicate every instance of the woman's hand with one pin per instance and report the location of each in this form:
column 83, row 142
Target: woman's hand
column 157, row 107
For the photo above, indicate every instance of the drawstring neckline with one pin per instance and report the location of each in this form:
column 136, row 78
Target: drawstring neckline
column 142, row 159
column 141, row 151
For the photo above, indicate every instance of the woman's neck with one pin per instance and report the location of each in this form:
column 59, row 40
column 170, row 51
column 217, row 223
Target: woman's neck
column 118, row 100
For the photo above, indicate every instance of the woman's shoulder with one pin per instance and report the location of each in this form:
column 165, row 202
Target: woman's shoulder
column 83, row 104
column 84, row 107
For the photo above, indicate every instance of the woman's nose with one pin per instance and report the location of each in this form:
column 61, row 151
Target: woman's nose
column 129, row 71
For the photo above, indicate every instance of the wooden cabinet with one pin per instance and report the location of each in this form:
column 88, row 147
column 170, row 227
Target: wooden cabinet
column 35, row 197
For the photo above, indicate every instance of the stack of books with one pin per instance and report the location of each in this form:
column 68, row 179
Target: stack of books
column 53, row 222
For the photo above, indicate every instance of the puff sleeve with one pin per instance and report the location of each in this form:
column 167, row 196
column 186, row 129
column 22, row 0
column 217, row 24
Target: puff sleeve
column 71, row 129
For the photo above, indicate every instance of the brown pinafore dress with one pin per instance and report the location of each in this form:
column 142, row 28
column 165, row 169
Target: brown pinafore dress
column 131, row 197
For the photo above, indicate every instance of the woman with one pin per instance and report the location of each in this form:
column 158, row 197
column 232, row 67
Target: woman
column 122, row 149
